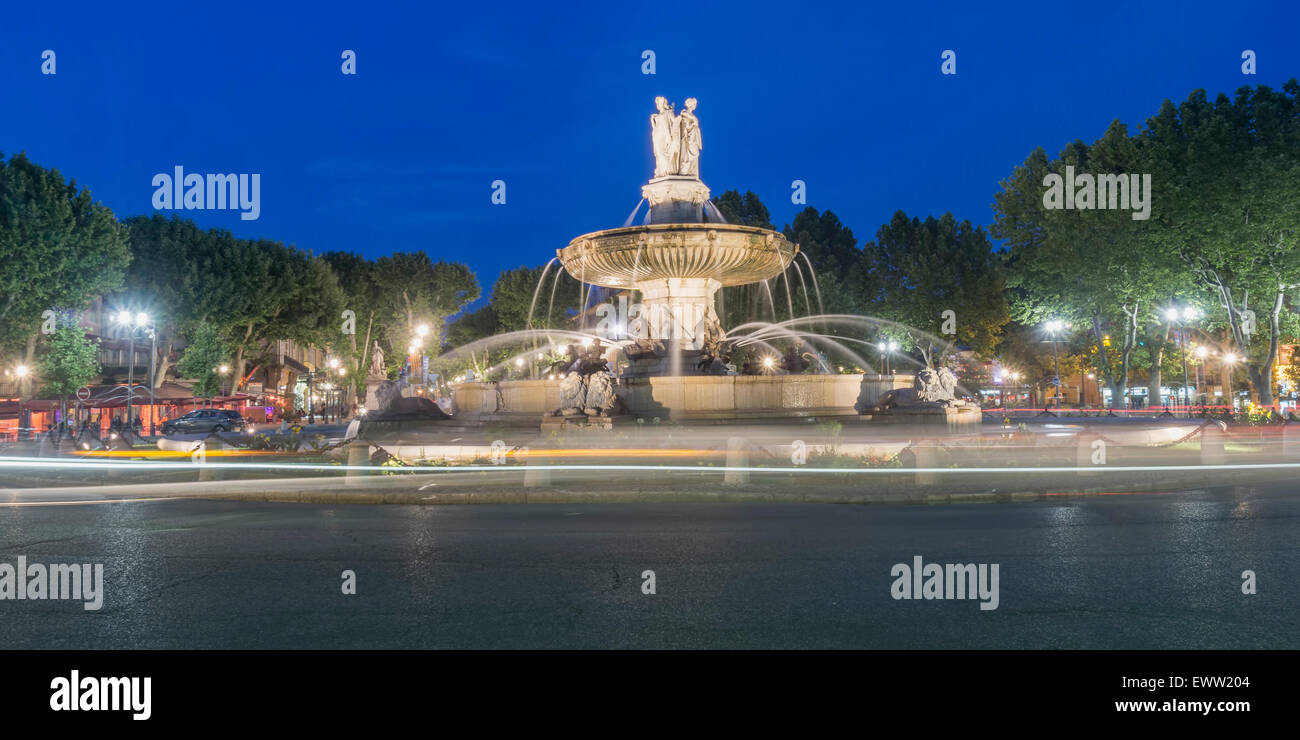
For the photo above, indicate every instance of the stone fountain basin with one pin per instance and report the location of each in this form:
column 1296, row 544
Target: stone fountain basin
column 690, row 397
column 730, row 254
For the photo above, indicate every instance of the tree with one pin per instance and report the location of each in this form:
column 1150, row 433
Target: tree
column 202, row 359
column 58, row 247
column 828, row 244
column 69, row 362
column 927, row 268
column 521, row 295
column 361, row 294
column 1090, row 268
column 1230, row 209
column 1021, row 349
column 188, row 277
column 745, row 209
column 414, row 290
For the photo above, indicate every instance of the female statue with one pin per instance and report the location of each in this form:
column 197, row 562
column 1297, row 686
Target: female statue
column 691, row 142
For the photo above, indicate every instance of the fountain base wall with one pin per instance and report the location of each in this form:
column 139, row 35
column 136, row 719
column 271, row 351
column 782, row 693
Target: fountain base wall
column 702, row 397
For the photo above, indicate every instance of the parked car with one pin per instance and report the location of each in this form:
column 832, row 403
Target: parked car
column 205, row 420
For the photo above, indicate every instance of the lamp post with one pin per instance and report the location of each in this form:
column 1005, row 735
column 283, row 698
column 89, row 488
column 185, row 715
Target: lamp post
column 21, row 371
column 1054, row 328
column 1179, row 317
column 887, row 349
column 333, row 365
column 1201, row 353
column 311, row 409
column 223, row 371
column 421, row 332
column 138, row 322
column 343, row 391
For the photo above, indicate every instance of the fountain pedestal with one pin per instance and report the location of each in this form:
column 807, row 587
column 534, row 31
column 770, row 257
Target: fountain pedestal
column 676, row 199
column 680, row 310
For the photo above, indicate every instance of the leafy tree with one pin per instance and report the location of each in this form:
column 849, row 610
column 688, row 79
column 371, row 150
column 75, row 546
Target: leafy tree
column 744, row 209
column 1022, row 349
column 1086, row 267
column 828, row 243
column 414, row 290
column 926, row 268
column 58, row 247
column 70, row 361
column 202, row 358
column 1229, row 209
column 361, row 294
column 516, row 296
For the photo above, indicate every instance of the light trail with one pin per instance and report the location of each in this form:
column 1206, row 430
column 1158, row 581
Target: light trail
column 179, row 467
column 14, row 504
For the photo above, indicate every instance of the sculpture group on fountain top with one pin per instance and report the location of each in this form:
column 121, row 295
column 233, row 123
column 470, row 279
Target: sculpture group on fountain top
column 676, row 139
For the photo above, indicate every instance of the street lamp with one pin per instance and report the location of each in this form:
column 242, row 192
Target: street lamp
column 1201, row 353
column 1053, row 328
column 886, row 351
column 1181, row 316
column 222, row 370
column 21, row 371
column 134, row 323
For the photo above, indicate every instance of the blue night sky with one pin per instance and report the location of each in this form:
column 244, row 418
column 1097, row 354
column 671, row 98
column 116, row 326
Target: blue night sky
column 550, row 98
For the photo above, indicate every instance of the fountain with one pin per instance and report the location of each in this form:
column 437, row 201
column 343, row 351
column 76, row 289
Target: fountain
column 677, row 260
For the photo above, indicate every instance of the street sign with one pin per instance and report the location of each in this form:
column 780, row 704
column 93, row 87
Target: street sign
column 83, row 393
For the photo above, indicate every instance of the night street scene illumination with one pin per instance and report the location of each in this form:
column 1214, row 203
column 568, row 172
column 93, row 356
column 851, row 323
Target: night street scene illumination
column 748, row 326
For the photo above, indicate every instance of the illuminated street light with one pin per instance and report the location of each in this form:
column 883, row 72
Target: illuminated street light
column 21, row 371
column 140, row 321
column 1181, row 317
column 1053, row 328
column 422, row 330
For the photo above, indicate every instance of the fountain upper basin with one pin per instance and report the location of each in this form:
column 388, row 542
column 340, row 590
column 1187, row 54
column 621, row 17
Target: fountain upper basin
column 726, row 254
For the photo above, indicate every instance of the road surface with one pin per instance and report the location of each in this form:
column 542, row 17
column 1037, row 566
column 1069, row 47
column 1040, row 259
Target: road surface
column 1122, row 571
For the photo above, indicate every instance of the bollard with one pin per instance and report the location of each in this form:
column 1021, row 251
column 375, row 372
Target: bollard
column 211, row 444
column 537, row 476
column 925, row 455
column 358, row 455
column 1291, row 439
column 737, row 457
column 1212, row 435
column 1084, row 454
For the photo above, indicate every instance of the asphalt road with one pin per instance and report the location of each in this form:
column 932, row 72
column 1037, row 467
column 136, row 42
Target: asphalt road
column 1122, row 571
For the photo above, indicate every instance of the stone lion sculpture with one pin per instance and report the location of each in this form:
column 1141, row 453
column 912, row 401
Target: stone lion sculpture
column 393, row 405
column 931, row 388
